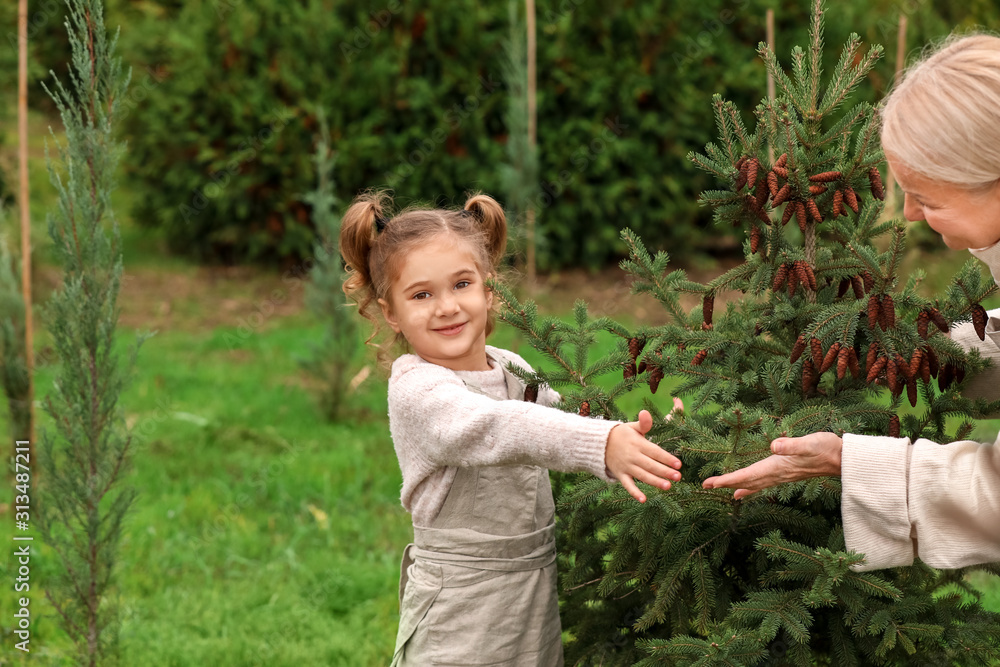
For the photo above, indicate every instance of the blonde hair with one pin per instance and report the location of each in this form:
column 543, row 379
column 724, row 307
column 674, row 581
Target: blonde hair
column 940, row 120
column 373, row 244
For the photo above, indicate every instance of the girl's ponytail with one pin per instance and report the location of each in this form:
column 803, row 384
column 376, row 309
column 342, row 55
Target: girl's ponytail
column 357, row 236
column 490, row 216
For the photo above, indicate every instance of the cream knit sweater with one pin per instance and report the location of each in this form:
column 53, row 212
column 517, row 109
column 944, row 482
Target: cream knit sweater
column 940, row 503
column 438, row 425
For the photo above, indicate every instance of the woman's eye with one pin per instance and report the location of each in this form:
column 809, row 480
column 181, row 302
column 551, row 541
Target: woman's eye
column 462, row 282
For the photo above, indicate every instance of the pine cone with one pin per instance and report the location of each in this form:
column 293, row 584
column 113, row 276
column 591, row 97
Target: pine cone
column 842, row 288
column 979, row 319
column 903, row 365
column 826, row 177
column 831, row 356
column 838, row 204
column 742, row 161
column 585, row 409
column 911, row 391
column 630, row 370
column 531, row 393
column 802, row 272
column 870, row 359
column 635, row 346
column 869, row 281
column 761, row 194
column 814, row 210
column 842, row 360
column 772, row 183
column 789, row 210
column 946, row 377
column 916, row 362
column 782, row 195
column 876, row 368
column 816, row 348
column 655, row 375
column 699, row 357
column 793, row 279
column 808, row 376
column 851, row 199
column 810, row 275
column 852, row 363
column 779, row 278
column 780, row 171
column 858, row 286
column 800, row 215
column 925, row 368
column 891, row 370
column 932, row 361
column 887, row 313
column 741, row 179
column 754, row 239
column 873, row 311
column 817, row 189
column 752, row 166
column 923, row 319
column 894, row 426
column 798, row 348
column 938, row 319
column 876, row 182
column 642, row 367
column 782, row 160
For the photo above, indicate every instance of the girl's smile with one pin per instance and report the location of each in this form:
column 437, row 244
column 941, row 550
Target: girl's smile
column 440, row 304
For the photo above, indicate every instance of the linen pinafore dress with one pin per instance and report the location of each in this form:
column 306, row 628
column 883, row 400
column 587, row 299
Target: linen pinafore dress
column 478, row 586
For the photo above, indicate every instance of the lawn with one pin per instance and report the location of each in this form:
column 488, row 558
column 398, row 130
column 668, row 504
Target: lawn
column 261, row 535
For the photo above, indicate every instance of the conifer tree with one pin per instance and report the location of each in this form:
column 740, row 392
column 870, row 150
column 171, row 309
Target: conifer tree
column 82, row 501
column 13, row 355
column 826, row 337
column 332, row 358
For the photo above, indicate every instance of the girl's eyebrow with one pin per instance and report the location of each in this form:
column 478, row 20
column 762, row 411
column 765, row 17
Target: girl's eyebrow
column 460, row 272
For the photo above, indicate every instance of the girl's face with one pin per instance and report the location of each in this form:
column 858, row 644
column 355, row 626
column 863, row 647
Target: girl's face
column 439, row 303
column 963, row 218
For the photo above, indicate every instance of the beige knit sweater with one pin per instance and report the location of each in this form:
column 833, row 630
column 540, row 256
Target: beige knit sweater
column 940, row 503
column 438, row 425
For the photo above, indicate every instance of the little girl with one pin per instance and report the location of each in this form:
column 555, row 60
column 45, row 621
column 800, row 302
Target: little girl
column 478, row 583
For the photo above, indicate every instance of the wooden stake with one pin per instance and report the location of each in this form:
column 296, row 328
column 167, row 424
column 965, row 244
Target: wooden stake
column 890, row 181
column 532, row 135
column 770, row 77
column 22, row 127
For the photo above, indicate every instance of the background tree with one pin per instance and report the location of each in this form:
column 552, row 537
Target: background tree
column 82, row 502
column 825, row 337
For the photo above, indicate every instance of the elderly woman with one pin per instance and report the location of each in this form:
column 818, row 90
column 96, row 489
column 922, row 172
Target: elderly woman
column 941, row 135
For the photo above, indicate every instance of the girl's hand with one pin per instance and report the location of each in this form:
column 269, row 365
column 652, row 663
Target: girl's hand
column 793, row 460
column 629, row 455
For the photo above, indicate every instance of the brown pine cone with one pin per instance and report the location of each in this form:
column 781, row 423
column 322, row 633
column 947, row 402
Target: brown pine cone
column 635, row 346
column 531, row 393
column 800, row 269
column 793, row 279
column 754, row 239
column 814, row 210
column 874, row 309
column 925, row 368
column 780, row 171
column 810, row 275
column 979, row 319
column 923, row 319
column 826, row 177
column 851, row 199
column 870, row 358
column 800, row 215
column 742, row 161
column 708, row 307
column 817, row 189
column 699, row 357
column 772, row 183
column 842, row 356
column 782, row 160
column 858, row 286
column 876, row 182
column 642, row 367
column 869, row 281
column 798, row 348
column 903, row 365
column 782, row 195
column 752, row 166
column 911, row 391
column 585, row 409
column 741, row 179
column 946, row 377
column 630, row 370
column 916, row 362
column 789, row 211
column 779, row 277
column 938, row 319
column 762, row 216
column 842, row 288
column 894, row 426
column 891, row 371
column 808, row 376
column 876, row 368
column 838, row 204
column 932, row 361
column 831, row 356
column 816, row 349
column 760, row 194
column 655, row 375
column 852, row 363
column 887, row 313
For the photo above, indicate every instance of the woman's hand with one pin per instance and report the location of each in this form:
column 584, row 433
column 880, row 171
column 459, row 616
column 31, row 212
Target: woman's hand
column 629, row 455
column 793, row 460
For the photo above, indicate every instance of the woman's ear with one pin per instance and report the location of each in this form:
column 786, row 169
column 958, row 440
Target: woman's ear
column 387, row 313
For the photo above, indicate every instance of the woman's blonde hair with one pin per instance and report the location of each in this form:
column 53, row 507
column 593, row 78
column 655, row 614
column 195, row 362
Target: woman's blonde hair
column 374, row 242
column 941, row 119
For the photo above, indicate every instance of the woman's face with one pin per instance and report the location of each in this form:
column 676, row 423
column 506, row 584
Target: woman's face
column 964, row 218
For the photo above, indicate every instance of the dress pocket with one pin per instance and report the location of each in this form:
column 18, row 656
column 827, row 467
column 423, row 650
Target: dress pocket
column 505, row 499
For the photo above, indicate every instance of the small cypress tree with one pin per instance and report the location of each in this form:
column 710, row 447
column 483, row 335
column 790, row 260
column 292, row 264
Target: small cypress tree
column 82, row 502
column 826, row 337
column 332, row 359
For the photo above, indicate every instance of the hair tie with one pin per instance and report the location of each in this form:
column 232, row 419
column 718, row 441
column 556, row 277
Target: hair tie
column 380, row 222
